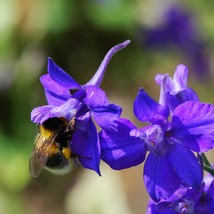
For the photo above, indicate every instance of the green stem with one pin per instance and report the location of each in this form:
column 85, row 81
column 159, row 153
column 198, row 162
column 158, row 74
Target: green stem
column 209, row 169
column 206, row 162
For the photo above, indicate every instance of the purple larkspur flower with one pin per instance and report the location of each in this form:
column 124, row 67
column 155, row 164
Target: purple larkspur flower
column 178, row 29
column 86, row 102
column 187, row 201
column 175, row 91
column 170, row 139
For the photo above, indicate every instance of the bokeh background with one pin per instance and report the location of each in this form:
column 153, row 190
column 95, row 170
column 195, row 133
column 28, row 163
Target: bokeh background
column 77, row 35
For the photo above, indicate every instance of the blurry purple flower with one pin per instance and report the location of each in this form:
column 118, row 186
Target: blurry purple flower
column 88, row 101
column 169, row 138
column 186, row 201
column 178, row 29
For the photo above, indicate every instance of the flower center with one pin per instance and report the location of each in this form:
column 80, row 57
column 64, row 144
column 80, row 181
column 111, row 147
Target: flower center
column 154, row 138
column 184, row 207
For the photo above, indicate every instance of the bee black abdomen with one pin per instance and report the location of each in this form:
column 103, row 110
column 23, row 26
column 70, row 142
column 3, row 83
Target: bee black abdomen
column 54, row 124
column 63, row 139
column 56, row 161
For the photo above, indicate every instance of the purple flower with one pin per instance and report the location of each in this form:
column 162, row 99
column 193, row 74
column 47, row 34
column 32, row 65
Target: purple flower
column 169, row 138
column 187, row 200
column 86, row 102
column 175, row 91
column 178, row 29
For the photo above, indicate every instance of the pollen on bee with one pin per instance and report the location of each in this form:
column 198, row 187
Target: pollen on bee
column 66, row 152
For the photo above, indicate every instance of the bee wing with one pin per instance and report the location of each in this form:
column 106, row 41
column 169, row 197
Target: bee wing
column 40, row 154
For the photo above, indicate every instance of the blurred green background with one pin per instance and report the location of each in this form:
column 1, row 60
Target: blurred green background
column 77, row 35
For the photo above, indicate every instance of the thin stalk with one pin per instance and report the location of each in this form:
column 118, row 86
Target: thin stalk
column 206, row 162
column 209, row 169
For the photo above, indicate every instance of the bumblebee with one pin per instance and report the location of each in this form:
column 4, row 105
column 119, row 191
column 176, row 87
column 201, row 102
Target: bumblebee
column 52, row 147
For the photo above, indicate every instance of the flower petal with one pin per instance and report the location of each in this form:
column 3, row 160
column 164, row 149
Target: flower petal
column 105, row 116
column 61, row 77
column 180, row 78
column 103, row 113
column 175, row 85
column 154, row 138
column 148, row 110
column 98, row 76
column 160, row 179
column 209, row 202
column 67, row 110
column 165, row 81
column 120, row 150
column 192, row 125
column 166, row 84
column 175, row 100
column 185, row 165
column 85, row 143
column 153, row 208
column 95, row 97
column 55, row 94
column 169, row 204
column 211, row 188
column 175, row 91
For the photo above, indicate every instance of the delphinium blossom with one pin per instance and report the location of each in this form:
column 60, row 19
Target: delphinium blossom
column 187, row 201
column 175, row 91
column 68, row 99
column 178, row 126
column 178, row 30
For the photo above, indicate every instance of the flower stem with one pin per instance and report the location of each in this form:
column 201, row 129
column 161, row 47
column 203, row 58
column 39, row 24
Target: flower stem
column 206, row 162
column 209, row 169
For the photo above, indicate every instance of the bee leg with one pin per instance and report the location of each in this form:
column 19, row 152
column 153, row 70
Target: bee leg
column 75, row 156
column 76, row 163
column 70, row 126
